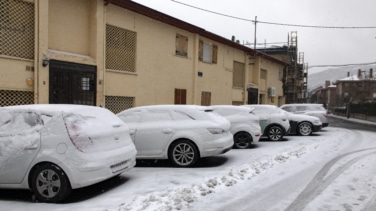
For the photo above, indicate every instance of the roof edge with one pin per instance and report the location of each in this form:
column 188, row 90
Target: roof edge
column 162, row 17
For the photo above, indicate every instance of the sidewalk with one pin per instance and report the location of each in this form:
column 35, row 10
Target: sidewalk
column 353, row 120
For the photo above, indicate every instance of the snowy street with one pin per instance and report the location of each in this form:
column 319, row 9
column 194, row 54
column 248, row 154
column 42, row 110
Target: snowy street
column 330, row 170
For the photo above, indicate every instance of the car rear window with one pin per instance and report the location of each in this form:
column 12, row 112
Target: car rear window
column 95, row 130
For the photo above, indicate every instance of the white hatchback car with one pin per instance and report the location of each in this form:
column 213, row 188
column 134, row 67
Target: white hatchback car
column 244, row 124
column 311, row 109
column 180, row 133
column 273, row 121
column 52, row 149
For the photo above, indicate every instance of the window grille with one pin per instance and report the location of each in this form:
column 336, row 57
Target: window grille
column 238, row 79
column 17, row 29
column 118, row 104
column 120, row 49
column 11, row 97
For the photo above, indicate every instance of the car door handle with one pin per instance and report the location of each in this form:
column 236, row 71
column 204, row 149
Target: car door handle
column 31, row 147
column 167, row 131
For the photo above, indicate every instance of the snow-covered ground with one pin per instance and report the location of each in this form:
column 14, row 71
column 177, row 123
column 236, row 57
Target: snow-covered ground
column 331, row 170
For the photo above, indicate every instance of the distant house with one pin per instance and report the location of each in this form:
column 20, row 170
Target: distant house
column 120, row 54
column 357, row 88
column 329, row 97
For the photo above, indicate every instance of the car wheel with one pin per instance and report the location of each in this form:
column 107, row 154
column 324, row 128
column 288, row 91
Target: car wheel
column 49, row 183
column 305, row 129
column 183, row 153
column 242, row 140
column 275, row 133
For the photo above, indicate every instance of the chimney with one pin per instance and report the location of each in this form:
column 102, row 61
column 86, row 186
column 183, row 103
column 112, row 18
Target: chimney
column 371, row 73
column 327, row 84
column 359, row 73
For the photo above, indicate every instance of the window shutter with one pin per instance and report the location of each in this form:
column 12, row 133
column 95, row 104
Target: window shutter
column 201, row 50
column 215, row 54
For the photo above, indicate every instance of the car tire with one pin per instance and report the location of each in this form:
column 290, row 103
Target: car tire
column 183, row 153
column 305, row 129
column 242, row 140
column 50, row 184
column 275, row 133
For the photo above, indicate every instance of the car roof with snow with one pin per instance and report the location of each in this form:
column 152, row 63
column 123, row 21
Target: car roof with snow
column 49, row 107
column 240, row 108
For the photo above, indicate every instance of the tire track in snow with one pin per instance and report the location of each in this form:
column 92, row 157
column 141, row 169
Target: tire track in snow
column 269, row 197
column 321, row 180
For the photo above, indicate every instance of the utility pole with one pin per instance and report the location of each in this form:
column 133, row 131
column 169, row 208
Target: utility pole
column 254, row 45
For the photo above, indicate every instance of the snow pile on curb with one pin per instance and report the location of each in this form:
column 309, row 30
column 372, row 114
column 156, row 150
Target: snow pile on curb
column 182, row 197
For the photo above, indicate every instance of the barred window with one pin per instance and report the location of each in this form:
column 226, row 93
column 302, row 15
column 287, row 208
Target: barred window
column 17, row 29
column 118, row 104
column 238, row 77
column 12, row 97
column 120, row 49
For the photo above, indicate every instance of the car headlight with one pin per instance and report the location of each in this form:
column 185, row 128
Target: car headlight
column 216, row 130
column 317, row 122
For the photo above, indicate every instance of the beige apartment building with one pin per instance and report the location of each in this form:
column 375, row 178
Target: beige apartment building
column 119, row 54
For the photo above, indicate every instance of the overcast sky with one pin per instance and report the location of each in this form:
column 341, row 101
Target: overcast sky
column 321, row 46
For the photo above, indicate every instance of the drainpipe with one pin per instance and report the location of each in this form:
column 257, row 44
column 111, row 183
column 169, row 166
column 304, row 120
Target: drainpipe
column 36, row 53
column 195, row 68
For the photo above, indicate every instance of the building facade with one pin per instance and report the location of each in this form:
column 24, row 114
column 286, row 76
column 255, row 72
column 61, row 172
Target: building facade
column 119, row 54
column 357, row 88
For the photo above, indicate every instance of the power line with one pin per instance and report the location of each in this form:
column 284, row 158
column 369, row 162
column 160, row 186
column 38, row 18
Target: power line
column 340, row 65
column 274, row 23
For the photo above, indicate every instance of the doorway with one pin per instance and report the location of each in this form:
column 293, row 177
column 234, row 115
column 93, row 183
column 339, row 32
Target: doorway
column 72, row 83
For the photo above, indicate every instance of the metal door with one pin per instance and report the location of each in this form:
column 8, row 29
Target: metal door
column 72, row 83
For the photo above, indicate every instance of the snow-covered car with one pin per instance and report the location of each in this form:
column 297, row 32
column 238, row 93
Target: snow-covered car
column 273, row 121
column 52, row 149
column 303, row 125
column 180, row 133
column 245, row 125
column 311, row 109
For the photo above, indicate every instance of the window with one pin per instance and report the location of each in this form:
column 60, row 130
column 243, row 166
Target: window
column 12, row 97
column 263, row 74
column 238, row 75
column 17, row 29
column 181, row 45
column 180, row 96
column 117, row 104
column 205, row 98
column 207, row 52
column 120, row 49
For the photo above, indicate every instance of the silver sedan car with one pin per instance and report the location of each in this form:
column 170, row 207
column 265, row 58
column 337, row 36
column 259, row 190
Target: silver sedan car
column 180, row 133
